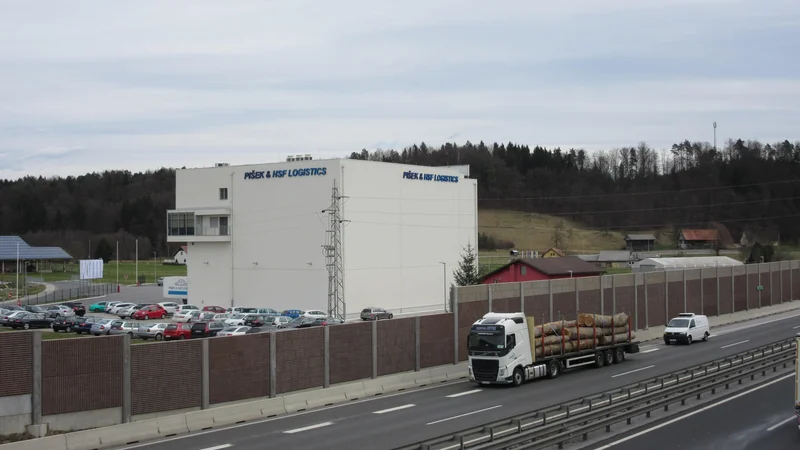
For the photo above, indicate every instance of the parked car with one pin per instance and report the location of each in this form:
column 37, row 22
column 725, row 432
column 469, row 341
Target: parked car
column 185, row 308
column 77, row 307
column 102, row 326
column 13, row 308
column 254, row 330
column 235, row 320
column 150, row 312
column 208, row 316
column 314, row 314
column 35, row 309
column 233, row 331
column 67, row 324
column 266, row 311
column 215, row 309
column 6, row 319
column 170, row 307
column 206, row 329
column 187, row 317
column 84, row 325
column 254, row 320
column 241, row 310
column 151, row 331
column 28, row 320
column 125, row 313
column 293, row 313
column 123, row 327
column 160, row 281
column 119, row 307
column 54, row 311
column 110, row 305
column 278, row 321
column 98, row 307
column 373, row 313
column 301, row 322
column 178, row 331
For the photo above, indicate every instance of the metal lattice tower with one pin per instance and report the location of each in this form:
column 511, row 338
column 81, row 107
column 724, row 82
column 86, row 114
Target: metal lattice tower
column 333, row 256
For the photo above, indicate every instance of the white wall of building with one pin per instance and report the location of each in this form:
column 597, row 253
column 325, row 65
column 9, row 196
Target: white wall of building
column 398, row 232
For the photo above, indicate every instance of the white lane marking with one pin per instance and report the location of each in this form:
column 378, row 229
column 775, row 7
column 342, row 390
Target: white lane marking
column 794, row 328
column 463, row 393
column 396, row 408
column 310, row 427
column 697, row 411
column 632, row 371
column 219, row 447
column 735, row 343
column 463, row 415
column 782, row 422
column 756, row 324
column 651, row 350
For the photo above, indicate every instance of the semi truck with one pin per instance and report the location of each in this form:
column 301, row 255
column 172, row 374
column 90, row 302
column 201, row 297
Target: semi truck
column 508, row 348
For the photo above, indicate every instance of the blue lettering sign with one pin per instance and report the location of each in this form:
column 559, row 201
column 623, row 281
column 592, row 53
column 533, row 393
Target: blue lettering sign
column 409, row 175
column 283, row 173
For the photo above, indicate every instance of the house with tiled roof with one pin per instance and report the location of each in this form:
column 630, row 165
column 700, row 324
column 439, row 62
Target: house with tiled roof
column 553, row 253
column 694, row 238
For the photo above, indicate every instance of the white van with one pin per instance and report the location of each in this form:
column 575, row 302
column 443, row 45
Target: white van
column 687, row 327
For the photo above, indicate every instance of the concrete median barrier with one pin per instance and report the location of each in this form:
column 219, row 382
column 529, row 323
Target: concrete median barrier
column 58, row 442
column 324, row 397
column 232, row 414
column 126, row 433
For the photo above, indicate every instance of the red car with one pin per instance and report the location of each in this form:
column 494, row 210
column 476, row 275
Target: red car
column 178, row 331
column 214, row 309
column 150, row 312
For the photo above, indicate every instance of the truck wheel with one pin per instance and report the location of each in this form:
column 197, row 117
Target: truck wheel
column 553, row 369
column 705, row 337
column 689, row 340
column 619, row 355
column 599, row 360
column 517, row 378
column 609, row 357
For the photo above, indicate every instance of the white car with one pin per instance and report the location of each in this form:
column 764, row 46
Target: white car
column 185, row 308
column 315, row 314
column 170, row 307
column 233, row 331
column 118, row 307
column 236, row 320
column 216, row 317
column 186, row 317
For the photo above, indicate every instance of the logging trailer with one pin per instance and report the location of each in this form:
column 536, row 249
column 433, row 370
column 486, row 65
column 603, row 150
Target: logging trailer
column 502, row 349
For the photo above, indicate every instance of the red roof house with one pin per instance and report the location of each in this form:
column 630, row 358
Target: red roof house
column 698, row 239
column 525, row 269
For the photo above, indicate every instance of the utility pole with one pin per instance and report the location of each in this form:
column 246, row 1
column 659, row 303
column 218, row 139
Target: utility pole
column 333, row 256
column 715, row 136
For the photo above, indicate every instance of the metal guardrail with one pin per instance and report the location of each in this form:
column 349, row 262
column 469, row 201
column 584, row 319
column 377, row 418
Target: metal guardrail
column 63, row 295
column 556, row 425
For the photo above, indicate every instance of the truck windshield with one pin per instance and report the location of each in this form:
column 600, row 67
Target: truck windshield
column 487, row 342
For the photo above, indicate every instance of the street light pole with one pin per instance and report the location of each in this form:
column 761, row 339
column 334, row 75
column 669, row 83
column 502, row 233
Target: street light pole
column 444, row 283
column 155, row 266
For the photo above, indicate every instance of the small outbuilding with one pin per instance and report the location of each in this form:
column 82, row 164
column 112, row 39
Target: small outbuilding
column 640, row 242
column 524, row 269
column 694, row 262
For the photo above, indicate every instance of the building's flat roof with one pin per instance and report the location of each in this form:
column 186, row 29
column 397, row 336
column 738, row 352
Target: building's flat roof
column 463, row 169
column 690, row 261
column 8, row 250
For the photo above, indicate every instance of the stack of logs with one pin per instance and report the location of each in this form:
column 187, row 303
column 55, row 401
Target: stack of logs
column 589, row 331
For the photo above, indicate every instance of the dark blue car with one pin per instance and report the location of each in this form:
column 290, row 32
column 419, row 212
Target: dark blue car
column 293, row 313
column 84, row 324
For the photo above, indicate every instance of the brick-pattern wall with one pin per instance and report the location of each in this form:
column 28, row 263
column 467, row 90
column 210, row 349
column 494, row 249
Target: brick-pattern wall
column 795, row 284
column 589, row 301
column 538, row 306
column 81, row 374
column 300, row 362
column 625, row 301
column 740, row 293
column 754, row 299
column 607, row 298
column 694, row 303
column 16, row 363
column 468, row 313
column 350, row 348
column 639, row 319
column 674, row 298
column 505, row 305
column 396, row 346
column 655, row 303
column 436, row 340
column 725, row 295
column 564, row 306
column 166, row 376
column 238, row 367
column 710, row 296
column 785, row 278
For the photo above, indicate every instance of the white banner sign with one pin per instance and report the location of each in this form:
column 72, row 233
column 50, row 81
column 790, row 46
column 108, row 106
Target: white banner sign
column 91, row 269
column 176, row 287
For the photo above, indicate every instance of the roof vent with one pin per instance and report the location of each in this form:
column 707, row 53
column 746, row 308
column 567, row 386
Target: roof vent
column 221, row 165
column 290, row 158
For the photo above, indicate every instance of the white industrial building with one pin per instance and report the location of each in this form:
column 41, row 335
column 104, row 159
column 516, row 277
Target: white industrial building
column 256, row 233
column 681, row 263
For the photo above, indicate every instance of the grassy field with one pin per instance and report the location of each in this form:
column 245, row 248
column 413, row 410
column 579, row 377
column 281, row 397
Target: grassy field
column 149, row 269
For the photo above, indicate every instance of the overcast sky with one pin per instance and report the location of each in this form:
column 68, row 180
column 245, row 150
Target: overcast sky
column 96, row 84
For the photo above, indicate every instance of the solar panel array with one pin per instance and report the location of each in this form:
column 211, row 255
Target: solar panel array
column 8, row 250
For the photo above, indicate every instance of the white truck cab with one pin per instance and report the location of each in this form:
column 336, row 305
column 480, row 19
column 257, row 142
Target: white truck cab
column 686, row 328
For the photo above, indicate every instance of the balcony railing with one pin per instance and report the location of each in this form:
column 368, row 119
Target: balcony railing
column 199, row 231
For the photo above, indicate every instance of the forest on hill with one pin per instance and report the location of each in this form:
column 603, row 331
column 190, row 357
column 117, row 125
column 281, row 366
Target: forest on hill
column 743, row 185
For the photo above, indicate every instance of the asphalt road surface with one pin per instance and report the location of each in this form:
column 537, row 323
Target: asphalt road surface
column 387, row 422
column 760, row 418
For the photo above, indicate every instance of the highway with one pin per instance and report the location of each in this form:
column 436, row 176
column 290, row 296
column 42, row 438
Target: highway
column 760, row 418
column 389, row 421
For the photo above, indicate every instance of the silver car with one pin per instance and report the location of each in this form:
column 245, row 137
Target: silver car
column 233, row 331
column 151, row 331
column 127, row 313
column 102, row 327
column 123, row 327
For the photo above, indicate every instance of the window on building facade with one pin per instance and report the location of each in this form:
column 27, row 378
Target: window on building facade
column 522, row 270
column 223, row 193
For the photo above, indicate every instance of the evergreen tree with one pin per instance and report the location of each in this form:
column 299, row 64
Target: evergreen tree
column 104, row 251
column 467, row 272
